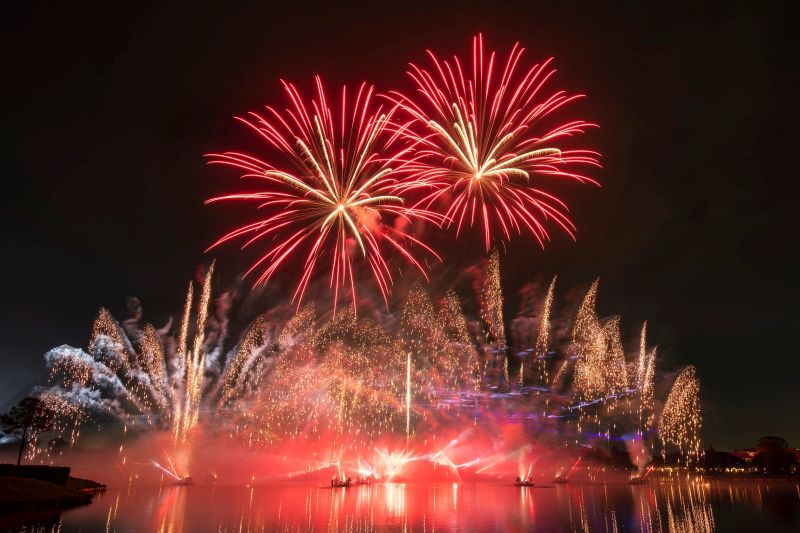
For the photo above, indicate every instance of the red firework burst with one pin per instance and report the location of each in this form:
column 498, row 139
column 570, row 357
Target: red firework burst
column 481, row 138
column 339, row 194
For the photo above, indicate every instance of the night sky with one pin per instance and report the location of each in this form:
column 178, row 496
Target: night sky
column 107, row 113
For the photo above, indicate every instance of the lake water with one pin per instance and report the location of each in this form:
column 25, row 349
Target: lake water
column 660, row 505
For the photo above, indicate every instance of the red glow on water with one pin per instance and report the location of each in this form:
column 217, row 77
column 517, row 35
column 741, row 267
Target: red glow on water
column 438, row 507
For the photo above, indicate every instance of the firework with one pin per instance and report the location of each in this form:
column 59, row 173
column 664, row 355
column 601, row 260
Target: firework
column 336, row 197
column 193, row 383
column 346, row 386
column 642, row 379
column 617, row 375
column 600, row 370
column 184, row 331
column 327, row 385
column 151, row 360
column 443, row 354
column 69, row 416
column 543, row 333
column 647, row 382
column 681, row 420
column 492, row 301
column 233, row 379
column 155, row 382
column 109, row 340
column 481, row 135
column 641, row 361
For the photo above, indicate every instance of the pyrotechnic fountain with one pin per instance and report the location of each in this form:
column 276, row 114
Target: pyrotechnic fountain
column 143, row 377
column 681, row 418
column 427, row 384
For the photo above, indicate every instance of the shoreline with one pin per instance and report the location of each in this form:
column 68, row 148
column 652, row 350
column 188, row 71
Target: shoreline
column 33, row 493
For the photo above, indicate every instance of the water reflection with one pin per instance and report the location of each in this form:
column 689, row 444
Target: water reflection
column 680, row 506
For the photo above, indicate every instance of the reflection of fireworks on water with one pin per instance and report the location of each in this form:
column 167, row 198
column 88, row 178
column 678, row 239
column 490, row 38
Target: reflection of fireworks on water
column 340, row 384
column 690, row 512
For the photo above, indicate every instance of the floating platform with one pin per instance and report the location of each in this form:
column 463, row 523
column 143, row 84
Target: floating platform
column 344, row 483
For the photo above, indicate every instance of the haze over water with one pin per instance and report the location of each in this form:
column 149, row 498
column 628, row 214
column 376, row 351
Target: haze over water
column 661, row 505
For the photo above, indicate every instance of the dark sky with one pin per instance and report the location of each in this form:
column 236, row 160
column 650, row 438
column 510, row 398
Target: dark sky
column 107, row 112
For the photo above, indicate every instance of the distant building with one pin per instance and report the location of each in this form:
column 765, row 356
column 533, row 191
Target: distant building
column 746, row 455
column 724, row 462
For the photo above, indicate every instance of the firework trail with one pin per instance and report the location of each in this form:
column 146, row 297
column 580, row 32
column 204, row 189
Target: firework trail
column 481, row 135
column 336, row 191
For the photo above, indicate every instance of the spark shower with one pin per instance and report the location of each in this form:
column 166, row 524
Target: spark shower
column 428, row 383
